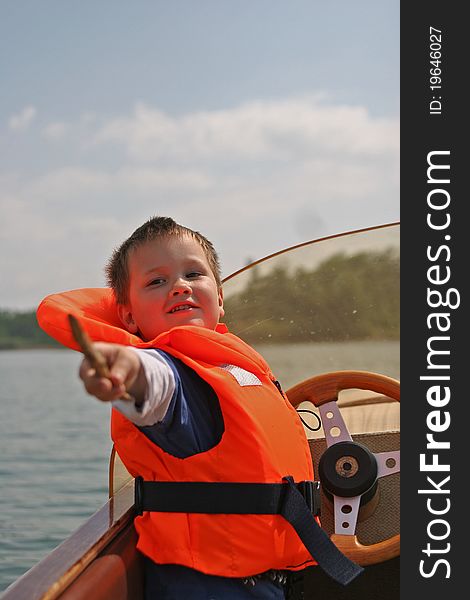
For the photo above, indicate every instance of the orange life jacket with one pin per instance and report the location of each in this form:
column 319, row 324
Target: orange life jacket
column 263, row 441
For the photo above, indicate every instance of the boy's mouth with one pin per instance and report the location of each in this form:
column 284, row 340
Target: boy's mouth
column 180, row 307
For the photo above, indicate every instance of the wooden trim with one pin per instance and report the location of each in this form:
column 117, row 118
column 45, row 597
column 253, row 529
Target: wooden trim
column 51, row 576
column 325, row 387
column 116, row 574
column 112, row 461
column 367, row 555
column 369, row 401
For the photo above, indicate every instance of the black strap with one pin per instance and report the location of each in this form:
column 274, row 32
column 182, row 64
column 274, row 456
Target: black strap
column 315, row 539
column 220, row 497
column 297, row 503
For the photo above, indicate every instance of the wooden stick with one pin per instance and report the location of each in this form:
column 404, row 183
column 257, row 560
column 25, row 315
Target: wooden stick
column 91, row 353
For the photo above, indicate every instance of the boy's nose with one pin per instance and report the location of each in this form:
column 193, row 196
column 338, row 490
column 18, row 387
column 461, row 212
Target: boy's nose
column 180, row 287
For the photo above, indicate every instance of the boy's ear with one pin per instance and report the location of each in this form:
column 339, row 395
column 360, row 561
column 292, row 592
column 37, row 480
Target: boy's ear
column 126, row 318
column 221, row 303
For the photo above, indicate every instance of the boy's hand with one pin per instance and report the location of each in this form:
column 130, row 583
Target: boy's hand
column 125, row 374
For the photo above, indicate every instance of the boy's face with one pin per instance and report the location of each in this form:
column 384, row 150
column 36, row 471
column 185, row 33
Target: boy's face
column 170, row 284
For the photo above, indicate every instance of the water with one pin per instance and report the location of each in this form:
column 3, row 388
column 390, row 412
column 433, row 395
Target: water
column 55, row 445
column 54, row 449
column 293, row 363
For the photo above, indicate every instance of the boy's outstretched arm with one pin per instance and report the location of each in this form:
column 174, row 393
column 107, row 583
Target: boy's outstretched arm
column 125, row 375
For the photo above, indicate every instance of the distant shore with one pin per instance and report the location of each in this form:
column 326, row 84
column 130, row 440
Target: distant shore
column 5, row 346
column 19, row 330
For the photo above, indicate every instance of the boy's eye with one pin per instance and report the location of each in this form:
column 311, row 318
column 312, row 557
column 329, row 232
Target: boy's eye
column 156, row 281
column 193, row 274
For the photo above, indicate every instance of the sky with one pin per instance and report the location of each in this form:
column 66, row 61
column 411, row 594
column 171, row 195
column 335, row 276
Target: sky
column 260, row 123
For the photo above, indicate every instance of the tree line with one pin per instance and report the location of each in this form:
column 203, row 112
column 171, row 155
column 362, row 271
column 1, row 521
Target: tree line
column 21, row 330
column 347, row 297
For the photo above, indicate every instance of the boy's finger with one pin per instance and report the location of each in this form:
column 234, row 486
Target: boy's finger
column 87, row 373
column 124, row 368
column 104, row 389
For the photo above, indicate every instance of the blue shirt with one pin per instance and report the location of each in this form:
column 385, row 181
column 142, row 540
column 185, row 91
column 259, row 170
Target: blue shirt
column 193, row 422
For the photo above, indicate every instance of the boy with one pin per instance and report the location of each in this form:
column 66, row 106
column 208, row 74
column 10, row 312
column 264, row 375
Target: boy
column 206, row 419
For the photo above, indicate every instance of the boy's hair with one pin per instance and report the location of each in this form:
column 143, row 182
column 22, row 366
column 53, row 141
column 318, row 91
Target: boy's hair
column 117, row 272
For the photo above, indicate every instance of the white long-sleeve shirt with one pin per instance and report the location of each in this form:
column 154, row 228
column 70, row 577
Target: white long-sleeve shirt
column 159, row 392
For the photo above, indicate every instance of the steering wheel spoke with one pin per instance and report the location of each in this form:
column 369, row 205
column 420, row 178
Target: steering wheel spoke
column 346, row 511
column 333, row 424
column 388, row 463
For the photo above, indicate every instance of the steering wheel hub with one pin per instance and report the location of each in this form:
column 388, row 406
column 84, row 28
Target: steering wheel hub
column 347, row 469
column 346, row 466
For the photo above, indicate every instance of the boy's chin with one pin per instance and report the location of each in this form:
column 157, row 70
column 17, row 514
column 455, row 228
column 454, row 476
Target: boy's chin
column 196, row 322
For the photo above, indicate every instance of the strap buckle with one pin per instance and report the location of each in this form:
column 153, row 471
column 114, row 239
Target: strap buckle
column 310, row 490
column 139, row 495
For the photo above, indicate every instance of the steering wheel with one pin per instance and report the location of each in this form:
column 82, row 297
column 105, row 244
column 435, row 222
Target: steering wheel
column 348, row 470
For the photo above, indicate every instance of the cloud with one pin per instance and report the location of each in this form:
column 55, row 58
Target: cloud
column 55, row 131
column 78, row 131
column 70, row 191
column 261, row 130
column 22, row 120
column 254, row 178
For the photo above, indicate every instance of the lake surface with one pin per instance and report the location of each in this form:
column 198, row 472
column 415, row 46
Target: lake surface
column 54, row 448
column 55, row 444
